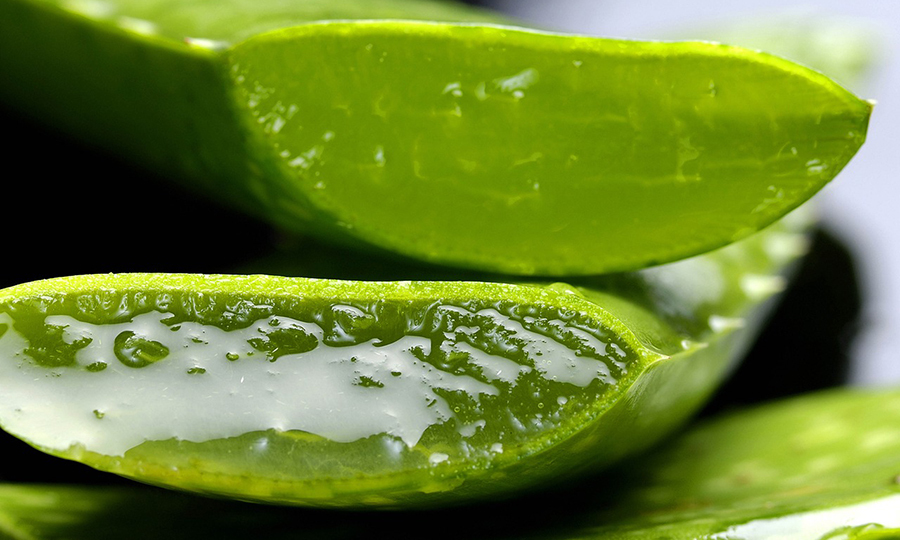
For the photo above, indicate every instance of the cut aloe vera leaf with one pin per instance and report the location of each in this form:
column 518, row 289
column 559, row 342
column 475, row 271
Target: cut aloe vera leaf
column 323, row 392
column 817, row 467
column 484, row 146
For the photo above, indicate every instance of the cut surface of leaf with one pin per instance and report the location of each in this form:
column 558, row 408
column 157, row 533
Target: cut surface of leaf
column 485, row 146
column 324, row 392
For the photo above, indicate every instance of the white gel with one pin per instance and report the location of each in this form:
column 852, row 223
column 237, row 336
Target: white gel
column 214, row 384
column 552, row 359
column 316, row 391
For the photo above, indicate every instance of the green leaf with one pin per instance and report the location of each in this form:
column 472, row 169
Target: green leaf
column 823, row 465
column 390, row 394
column 474, row 145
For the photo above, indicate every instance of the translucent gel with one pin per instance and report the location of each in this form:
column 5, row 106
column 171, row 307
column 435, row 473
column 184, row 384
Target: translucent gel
column 150, row 378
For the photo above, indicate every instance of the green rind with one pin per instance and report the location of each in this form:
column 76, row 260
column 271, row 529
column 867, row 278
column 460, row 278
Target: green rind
column 512, row 199
column 686, row 339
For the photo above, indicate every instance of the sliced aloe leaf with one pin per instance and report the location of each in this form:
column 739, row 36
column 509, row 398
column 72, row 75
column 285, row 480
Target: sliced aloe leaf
column 484, row 146
column 819, row 467
column 324, row 392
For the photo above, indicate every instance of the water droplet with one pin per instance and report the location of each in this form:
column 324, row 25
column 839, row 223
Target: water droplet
column 99, row 414
column 563, row 287
column 759, row 287
column 96, row 366
column 437, row 457
column 815, row 167
column 196, row 371
column 138, row 26
column 481, row 92
column 718, row 323
column 454, row 89
column 520, row 81
column 209, row 44
column 137, row 352
column 95, row 9
column 231, row 356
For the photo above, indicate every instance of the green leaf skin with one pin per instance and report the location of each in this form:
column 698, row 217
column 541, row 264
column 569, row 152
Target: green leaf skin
column 483, row 146
column 381, row 394
column 808, row 467
column 818, row 467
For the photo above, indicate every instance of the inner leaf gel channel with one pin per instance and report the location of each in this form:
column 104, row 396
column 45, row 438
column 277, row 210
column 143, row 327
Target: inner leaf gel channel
column 461, row 379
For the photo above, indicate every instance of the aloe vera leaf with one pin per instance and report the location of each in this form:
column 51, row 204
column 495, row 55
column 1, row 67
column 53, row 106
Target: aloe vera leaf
column 485, row 146
column 341, row 393
column 817, row 467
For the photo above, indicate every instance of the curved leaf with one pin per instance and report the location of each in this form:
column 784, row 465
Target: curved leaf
column 474, row 145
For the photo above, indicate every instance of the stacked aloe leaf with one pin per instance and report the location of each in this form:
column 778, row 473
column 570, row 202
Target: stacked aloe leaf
column 552, row 250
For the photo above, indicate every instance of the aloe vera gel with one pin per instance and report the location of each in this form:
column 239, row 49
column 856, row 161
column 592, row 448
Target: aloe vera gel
column 307, row 389
column 393, row 371
column 347, row 389
column 349, row 393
